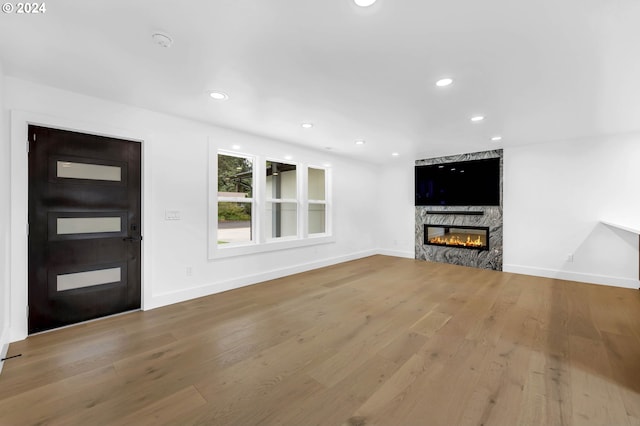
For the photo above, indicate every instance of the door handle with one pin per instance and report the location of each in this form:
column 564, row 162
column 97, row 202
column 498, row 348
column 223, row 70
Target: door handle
column 133, row 239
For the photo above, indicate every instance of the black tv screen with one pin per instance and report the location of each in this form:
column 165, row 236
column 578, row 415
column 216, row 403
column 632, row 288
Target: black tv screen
column 464, row 183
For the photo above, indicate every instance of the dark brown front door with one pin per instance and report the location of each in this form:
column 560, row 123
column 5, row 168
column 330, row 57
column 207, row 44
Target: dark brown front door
column 84, row 227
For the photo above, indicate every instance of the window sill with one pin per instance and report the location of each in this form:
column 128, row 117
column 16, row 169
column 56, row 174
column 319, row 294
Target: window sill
column 269, row 246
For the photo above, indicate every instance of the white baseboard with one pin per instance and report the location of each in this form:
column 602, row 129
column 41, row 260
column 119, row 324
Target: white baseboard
column 213, row 288
column 573, row 276
column 397, row 253
column 169, row 298
column 4, row 345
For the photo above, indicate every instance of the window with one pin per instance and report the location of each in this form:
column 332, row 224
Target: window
column 317, row 212
column 264, row 204
column 282, row 200
column 235, row 200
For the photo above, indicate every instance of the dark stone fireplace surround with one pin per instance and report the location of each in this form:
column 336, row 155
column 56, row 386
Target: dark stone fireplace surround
column 464, row 216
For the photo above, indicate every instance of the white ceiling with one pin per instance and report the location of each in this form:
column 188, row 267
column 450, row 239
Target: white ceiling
column 539, row 71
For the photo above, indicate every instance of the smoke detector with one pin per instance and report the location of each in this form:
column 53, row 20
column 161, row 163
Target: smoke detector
column 162, row 39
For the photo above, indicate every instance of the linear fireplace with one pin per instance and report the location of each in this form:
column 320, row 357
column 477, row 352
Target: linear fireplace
column 468, row 237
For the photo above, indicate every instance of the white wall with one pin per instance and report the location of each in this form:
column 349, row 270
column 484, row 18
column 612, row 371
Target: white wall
column 555, row 195
column 394, row 205
column 4, row 221
column 175, row 178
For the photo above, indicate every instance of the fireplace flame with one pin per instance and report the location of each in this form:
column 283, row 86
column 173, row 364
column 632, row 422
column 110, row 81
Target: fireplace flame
column 455, row 240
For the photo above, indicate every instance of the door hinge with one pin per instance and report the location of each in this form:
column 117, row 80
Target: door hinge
column 27, row 146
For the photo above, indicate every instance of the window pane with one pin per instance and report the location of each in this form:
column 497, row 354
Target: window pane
column 88, row 225
column 316, row 184
column 282, row 220
column 88, row 279
column 281, row 181
column 68, row 169
column 317, row 219
column 234, row 222
column 235, row 176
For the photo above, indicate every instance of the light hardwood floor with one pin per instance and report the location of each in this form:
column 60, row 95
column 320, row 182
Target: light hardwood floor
column 377, row 341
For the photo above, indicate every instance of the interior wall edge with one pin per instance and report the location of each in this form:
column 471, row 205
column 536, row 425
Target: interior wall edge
column 5, row 226
column 4, row 345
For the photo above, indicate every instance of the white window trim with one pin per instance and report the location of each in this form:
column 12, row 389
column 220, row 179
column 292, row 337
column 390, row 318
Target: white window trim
column 260, row 243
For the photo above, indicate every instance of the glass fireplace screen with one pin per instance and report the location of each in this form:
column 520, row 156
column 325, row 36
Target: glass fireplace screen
column 470, row 237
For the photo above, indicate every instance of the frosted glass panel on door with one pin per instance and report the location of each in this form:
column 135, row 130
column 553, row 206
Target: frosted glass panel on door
column 88, row 225
column 67, row 169
column 88, row 279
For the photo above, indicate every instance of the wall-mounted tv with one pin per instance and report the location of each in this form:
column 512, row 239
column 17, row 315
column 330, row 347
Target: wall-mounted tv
column 463, row 183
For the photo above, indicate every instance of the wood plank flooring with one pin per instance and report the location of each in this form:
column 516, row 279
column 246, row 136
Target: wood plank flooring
column 377, row 341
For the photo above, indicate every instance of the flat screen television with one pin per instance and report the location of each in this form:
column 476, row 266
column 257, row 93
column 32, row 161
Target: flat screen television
column 464, row 183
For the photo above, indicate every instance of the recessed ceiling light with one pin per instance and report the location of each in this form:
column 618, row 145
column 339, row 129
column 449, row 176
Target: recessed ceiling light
column 162, row 39
column 496, row 138
column 360, row 142
column 219, row 96
column 236, row 147
column 288, row 157
column 326, row 165
column 395, row 154
column 444, row 82
column 477, row 118
column 307, row 125
column 364, row 3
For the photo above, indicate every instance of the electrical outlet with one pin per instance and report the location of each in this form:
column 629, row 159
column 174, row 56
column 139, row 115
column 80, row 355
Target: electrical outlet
column 570, row 257
column 189, row 271
column 172, row 215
